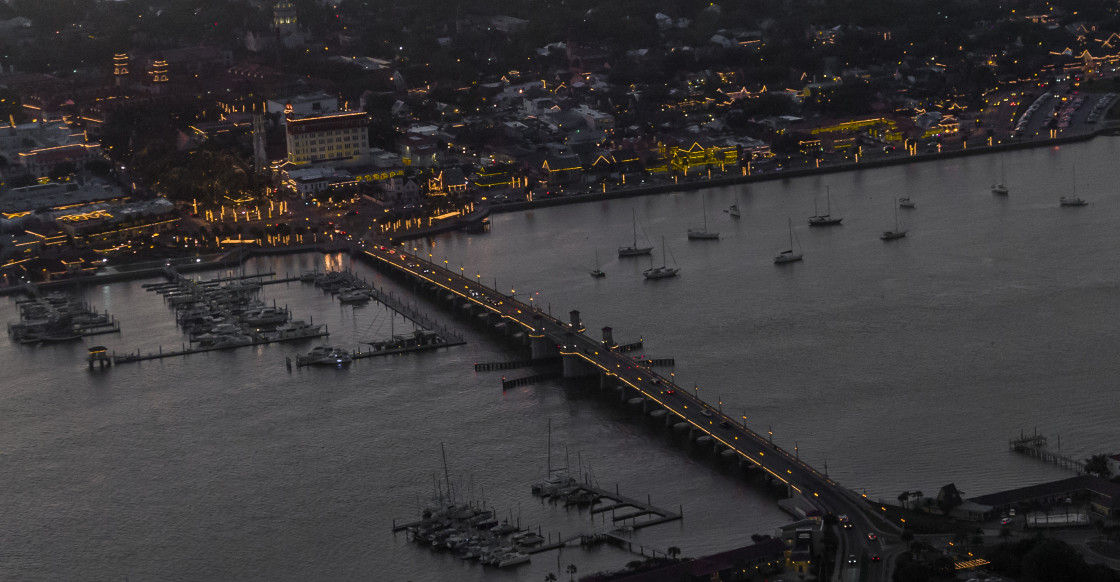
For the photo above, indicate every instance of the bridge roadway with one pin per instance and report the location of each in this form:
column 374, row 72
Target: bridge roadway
column 550, row 336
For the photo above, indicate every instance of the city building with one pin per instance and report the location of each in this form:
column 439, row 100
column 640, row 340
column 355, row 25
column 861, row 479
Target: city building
column 336, row 137
column 297, row 106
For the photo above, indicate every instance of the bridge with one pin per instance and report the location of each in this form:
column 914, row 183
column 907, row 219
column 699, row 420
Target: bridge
column 582, row 356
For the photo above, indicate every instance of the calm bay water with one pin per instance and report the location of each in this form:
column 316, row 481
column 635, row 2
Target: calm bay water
column 903, row 365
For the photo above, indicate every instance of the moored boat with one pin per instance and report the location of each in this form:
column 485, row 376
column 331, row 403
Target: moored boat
column 325, row 356
column 297, row 329
column 633, row 250
column 512, row 559
column 793, row 253
column 662, row 272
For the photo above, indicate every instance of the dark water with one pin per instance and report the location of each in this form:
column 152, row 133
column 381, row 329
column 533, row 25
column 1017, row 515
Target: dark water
column 902, row 365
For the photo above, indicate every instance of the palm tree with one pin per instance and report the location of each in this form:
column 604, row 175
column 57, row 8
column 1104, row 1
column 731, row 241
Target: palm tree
column 918, row 496
column 673, row 552
column 571, row 572
column 550, row 577
column 902, row 498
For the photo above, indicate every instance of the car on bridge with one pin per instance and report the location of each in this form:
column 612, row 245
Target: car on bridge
column 872, row 537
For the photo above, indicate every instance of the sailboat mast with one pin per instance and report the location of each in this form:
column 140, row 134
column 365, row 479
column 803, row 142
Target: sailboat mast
column 446, row 475
column 634, row 219
column 549, row 475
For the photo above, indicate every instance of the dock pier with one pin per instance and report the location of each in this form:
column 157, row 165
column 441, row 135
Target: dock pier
column 1035, row 445
column 186, row 351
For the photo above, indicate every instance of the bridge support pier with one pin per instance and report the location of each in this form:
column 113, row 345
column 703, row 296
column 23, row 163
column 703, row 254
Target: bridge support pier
column 541, row 346
column 576, row 367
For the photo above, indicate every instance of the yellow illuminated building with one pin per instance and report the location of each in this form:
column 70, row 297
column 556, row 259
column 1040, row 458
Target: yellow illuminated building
column 682, row 159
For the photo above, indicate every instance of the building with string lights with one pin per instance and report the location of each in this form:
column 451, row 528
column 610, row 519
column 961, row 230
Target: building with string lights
column 336, row 137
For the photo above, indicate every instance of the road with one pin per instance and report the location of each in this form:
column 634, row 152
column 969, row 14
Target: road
column 705, row 419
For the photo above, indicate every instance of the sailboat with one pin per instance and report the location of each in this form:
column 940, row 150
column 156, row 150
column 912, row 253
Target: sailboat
column 704, row 233
column 1001, row 188
column 597, row 272
column 663, row 271
column 1073, row 200
column 826, row 219
column 634, row 250
column 556, row 481
column 791, row 255
column 897, row 232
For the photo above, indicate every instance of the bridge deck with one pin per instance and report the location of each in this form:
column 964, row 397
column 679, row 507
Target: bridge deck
column 700, row 417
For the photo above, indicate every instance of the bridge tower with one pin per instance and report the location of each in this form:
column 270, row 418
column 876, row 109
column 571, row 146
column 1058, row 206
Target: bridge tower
column 577, row 325
column 608, row 338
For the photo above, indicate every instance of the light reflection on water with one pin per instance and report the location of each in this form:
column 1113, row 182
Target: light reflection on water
column 901, row 366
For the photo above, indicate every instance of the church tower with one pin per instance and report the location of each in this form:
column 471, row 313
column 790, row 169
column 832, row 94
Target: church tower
column 284, row 18
column 120, row 69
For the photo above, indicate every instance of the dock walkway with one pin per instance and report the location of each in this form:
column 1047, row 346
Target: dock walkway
column 187, row 351
column 1035, row 446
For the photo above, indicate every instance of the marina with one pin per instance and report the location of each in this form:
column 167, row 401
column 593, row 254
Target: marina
column 222, row 313
column 58, row 317
column 1018, row 273
column 472, row 532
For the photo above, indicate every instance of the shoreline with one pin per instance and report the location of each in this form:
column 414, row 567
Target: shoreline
column 1112, row 128
column 128, row 272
